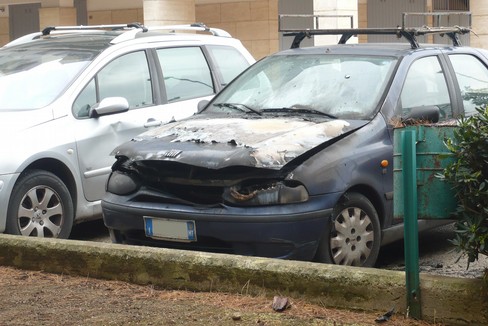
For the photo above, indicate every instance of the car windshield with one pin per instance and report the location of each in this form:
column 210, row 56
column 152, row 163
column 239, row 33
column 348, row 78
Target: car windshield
column 32, row 78
column 334, row 86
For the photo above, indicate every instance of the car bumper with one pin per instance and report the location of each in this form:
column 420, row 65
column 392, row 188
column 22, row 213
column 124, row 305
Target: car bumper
column 287, row 231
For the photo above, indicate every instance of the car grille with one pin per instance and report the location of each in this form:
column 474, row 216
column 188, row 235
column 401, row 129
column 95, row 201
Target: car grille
column 175, row 182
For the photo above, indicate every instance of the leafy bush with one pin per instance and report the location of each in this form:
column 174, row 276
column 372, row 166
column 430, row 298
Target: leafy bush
column 469, row 176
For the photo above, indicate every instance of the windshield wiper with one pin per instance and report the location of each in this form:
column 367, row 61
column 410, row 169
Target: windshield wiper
column 237, row 106
column 300, row 109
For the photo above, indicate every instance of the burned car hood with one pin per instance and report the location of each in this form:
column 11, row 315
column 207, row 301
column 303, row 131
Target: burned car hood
column 222, row 142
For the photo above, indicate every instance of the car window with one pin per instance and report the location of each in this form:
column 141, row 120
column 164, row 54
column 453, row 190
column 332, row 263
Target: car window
column 229, row 62
column 127, row 76
column 186, row 73
column 472, row 76
column 425, row 85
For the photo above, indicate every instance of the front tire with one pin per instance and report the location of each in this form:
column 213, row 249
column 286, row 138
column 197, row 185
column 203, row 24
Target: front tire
column 40, row 206
column 353, row 235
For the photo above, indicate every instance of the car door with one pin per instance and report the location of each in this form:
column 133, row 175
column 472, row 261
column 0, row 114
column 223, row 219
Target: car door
column 130, row 76
column 472, row 80
column 427, row 84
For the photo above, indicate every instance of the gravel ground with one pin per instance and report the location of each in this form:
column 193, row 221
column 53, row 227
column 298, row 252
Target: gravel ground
column 436, row 256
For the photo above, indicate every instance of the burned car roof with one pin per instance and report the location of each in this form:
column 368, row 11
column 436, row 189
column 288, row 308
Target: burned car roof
column 221, row 142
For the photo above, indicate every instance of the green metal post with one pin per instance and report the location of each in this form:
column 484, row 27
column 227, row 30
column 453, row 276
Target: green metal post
column 411, row 227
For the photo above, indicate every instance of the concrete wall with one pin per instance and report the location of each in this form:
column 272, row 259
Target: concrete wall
column 339, row 8
column 444, row 300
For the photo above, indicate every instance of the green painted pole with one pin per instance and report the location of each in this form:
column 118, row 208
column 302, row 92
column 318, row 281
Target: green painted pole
column 411, row 240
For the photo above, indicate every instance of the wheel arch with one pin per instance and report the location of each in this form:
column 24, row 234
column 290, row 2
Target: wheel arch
column 59, row 169
column 374, row 197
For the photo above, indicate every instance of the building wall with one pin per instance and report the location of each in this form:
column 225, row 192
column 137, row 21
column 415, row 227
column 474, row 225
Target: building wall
column 115, row 16
column 335, row 8
column 254, row 22
column 4, row 30
column 169, row 12
column 479, row 8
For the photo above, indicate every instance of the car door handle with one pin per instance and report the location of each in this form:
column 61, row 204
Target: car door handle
column 152, row 123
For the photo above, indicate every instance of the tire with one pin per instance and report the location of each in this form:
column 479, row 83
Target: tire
column 40, row 206
column 353, row 235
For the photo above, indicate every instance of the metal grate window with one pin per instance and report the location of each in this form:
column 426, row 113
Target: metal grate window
column 450, row 5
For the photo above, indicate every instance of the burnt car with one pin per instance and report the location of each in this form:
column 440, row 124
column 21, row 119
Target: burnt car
column 293, row 159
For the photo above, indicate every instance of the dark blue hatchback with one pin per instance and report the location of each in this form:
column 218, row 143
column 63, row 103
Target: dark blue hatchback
column 293, row 159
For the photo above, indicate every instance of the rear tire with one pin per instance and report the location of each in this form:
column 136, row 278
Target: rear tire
column 353, row 235
column 40, row 206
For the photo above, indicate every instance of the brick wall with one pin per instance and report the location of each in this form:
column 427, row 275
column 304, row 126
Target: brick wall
column 255, row 23
column 4, row 31
column 121, row 16
column 480, row 24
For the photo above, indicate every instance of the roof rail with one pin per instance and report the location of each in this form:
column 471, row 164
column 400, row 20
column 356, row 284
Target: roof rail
column 130, row 31
column 50, row 30
column 197, row 27
column 410, row 33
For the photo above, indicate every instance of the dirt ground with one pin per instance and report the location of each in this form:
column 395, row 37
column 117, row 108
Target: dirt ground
column 38, row 298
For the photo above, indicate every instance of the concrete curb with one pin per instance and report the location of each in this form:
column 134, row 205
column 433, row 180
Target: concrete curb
column 447, row 300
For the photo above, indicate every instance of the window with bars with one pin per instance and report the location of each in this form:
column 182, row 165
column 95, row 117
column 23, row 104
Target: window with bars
column 450, row 5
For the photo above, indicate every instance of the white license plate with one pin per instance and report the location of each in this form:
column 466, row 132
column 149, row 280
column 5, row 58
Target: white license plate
column 171, row 230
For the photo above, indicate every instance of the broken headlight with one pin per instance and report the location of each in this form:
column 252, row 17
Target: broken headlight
column 120, row 183
column 266, row 194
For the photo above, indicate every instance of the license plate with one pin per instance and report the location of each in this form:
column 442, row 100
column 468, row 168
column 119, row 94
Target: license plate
column 171, row 230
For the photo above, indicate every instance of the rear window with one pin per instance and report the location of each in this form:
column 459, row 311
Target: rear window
column 229, row 62
column 32, row 78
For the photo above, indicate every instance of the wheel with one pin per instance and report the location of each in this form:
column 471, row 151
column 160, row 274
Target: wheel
column 353, row 235
column 40, row 206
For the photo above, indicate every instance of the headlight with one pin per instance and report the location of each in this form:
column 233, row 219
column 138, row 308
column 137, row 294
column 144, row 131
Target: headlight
column 266, row 194
column 120, row 183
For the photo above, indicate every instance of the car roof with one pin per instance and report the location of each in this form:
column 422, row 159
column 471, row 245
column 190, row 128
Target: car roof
column 87, row 41
column 102, row 36
column 378, row 49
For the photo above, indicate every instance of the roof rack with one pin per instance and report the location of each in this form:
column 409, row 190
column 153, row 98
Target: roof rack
column 131, row 30
column 196, row 27
column 410, row 33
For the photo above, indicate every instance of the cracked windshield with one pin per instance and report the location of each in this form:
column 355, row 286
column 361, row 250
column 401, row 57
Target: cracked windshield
column 345, row 86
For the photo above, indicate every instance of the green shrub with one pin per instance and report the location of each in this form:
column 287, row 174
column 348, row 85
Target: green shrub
column 469, row 176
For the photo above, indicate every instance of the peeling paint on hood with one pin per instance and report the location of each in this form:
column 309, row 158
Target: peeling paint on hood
column 217, row 143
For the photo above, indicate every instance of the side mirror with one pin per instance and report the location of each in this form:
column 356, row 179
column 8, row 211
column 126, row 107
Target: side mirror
column 202, row 105
column 430, row 113
column 109, row 105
